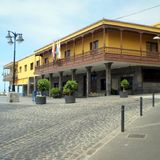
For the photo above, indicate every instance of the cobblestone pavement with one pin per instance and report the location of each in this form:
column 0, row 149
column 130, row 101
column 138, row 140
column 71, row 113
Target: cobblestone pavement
column 59, row 131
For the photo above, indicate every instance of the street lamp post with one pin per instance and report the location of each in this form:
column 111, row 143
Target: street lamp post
column 17, row 37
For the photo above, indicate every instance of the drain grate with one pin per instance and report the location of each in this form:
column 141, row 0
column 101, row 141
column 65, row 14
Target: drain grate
column 136, row 136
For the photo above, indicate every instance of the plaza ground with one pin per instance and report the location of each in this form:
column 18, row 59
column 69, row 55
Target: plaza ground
column 59, row 131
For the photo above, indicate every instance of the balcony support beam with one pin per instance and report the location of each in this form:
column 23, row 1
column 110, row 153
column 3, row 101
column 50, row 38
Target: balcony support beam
column 88, row 80
column 66, row 49
column 92, row 39
column 74, row 48
column 158, row 46
column 121, row 39
column 140, row 42
column 83, row 45
column 104, row 36
column 108, row 78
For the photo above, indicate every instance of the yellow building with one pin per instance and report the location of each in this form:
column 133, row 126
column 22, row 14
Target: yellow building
column 100, row 55
column 25, row 73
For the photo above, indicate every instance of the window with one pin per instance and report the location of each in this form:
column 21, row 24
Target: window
column 152, row 47
column 31, row 66
column 67, row 54
column 151, row 75
column 46, row 61
column 94, row 45
column 38, row 63
column 20, row 69
column 25, row 68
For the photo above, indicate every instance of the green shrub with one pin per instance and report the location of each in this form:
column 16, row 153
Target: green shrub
column 55, row 92
column 124, row 84
column 43, row 86
column 70, row 87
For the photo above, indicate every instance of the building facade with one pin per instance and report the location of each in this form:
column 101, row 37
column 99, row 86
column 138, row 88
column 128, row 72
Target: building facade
column 99, row 56
column 25, row 74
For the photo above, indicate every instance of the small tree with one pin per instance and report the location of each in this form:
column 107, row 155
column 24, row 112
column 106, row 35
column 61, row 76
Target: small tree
column 124, row 84
column 55, row 92
column 70, row 87
column 43, row 86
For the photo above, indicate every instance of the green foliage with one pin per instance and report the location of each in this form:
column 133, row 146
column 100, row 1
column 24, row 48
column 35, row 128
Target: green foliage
column 70, row 87
column 55, row 92
column 124, row 84
column 43, row 85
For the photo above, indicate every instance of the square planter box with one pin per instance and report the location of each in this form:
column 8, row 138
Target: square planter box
column 40, row 100
column 70, row 99
column 123, row 94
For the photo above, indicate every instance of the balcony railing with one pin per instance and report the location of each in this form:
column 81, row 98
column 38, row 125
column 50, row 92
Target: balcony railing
column 101, row 54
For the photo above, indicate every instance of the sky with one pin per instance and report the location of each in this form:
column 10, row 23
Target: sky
column 44, row 21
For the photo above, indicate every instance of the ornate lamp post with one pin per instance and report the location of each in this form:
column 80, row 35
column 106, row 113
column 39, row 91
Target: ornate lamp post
column 17, row 37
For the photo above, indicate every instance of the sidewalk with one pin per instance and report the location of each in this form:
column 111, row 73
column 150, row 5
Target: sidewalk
column 140, row 141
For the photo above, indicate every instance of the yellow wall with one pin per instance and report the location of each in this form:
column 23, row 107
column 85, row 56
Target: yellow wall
column 78, row 44
column 46, row 55
column 24, row 75
column 130, row 40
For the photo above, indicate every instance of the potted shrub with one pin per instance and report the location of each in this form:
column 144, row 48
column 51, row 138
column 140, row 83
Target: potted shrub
column 69, row 90
column 124, row 84
column 56, row 92
column 43, row 86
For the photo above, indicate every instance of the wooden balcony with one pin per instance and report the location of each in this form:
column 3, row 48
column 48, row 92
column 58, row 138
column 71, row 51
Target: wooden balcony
column 8, row 77
column 104, row 54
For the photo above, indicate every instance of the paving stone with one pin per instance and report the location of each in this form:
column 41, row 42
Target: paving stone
column 57, row 131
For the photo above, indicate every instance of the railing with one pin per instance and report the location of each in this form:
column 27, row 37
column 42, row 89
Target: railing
column 101, row 54
column 8, row 77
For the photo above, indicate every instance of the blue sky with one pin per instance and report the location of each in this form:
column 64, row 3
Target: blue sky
column 43, row 21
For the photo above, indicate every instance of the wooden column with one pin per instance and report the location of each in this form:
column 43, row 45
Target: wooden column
column 92, row 39
column 140, row 42
column 158, row 46
column 74, row 47
column 82, row 44
column 65, row 50
column 121, row 39
column 104, row 36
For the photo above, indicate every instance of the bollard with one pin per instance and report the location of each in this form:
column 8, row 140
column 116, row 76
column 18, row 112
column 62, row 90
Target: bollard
column 141, row 106
column 122, row 117
column 153, row 99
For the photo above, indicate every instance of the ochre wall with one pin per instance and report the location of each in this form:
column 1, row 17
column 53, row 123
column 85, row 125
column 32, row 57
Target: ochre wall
column 24, row 75
column 130, row 40
column 98, row 35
